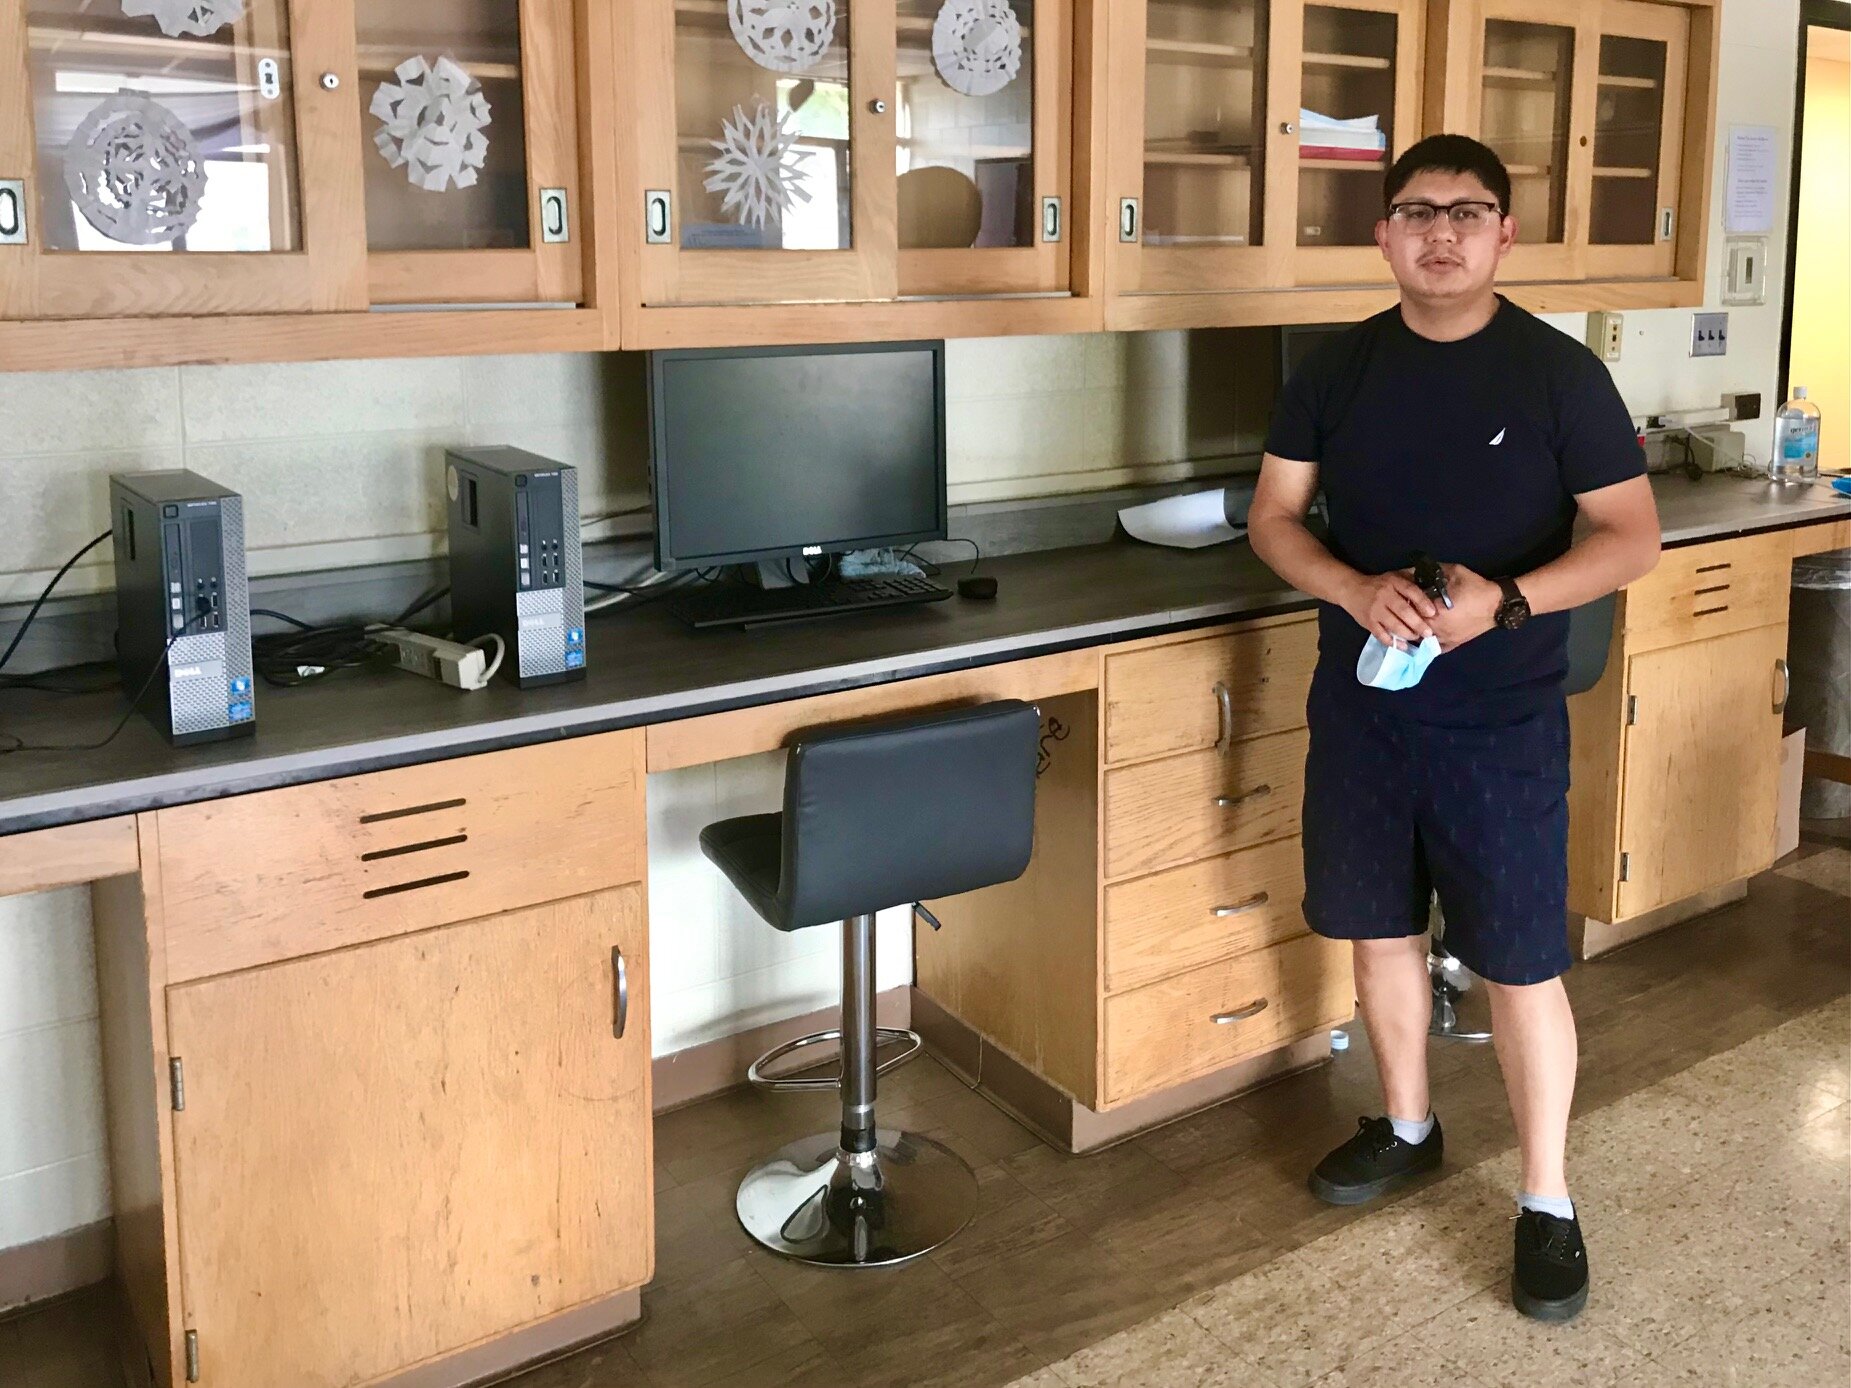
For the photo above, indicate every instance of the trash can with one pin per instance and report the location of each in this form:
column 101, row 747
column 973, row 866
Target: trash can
column 1819, row 653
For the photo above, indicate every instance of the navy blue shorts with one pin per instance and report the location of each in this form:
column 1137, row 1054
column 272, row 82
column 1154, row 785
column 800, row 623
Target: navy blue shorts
column 1395, row 809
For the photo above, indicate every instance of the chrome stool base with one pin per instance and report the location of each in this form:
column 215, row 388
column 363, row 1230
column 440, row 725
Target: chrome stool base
column 1451, row 982
column 818, row 1204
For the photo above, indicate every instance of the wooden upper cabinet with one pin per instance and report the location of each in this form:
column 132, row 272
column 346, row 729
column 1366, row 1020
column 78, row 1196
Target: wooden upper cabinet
column 1587, row 103
column 303, row 156
column 487, row 210
column 210, row 170
column 849, row 150
column 1250, row 137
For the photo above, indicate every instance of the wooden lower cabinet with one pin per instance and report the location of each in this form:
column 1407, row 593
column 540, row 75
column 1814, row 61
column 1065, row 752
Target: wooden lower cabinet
column 1700, row 783
column 392, row 1152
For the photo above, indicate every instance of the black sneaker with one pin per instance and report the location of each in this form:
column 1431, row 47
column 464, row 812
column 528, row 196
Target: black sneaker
column 1373, row 1162
column 1549, row 1282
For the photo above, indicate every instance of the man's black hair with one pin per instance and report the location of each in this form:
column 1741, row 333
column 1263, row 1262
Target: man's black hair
column 1459, row 154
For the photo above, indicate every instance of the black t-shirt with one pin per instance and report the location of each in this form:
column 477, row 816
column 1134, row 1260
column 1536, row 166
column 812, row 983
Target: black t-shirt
column 1470, row 451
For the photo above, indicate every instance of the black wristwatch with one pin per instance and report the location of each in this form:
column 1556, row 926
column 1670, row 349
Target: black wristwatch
column 1514, row 611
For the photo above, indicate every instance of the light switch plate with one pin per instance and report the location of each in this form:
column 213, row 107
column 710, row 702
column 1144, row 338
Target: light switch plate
column 1744, row 271
column 1709, row 335
column 1605, row 334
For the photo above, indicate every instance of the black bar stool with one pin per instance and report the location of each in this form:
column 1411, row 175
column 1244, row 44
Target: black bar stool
column 875, row 815
column 1590, row 631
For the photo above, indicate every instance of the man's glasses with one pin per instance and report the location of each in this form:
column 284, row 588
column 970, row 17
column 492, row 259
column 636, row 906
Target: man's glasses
column 1465, row 216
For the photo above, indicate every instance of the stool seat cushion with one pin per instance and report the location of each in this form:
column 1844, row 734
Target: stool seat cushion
column 750, row 851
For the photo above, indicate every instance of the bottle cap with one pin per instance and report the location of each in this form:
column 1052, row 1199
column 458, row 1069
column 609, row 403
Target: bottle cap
column 1799, row 392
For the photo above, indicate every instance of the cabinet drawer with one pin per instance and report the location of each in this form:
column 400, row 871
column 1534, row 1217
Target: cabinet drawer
column 255, row 878
column 1201, row 803
column 1168, row 1032
column 1168, row 699
column 1710, row 590
column 1188, row 916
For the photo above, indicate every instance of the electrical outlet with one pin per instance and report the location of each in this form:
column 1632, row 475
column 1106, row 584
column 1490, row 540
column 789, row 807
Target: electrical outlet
column 1605, row 334
column 1709, row 335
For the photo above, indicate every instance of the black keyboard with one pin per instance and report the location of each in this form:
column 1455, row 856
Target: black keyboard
column 740, row 604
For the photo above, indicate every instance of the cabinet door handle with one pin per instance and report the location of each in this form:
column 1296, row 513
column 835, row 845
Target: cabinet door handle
column 1786, row 684
column 1240, row 1014
column 1228, row 802
column 1127, row 220
column 1241, row 907
column 1225, row 701
column 620, row 974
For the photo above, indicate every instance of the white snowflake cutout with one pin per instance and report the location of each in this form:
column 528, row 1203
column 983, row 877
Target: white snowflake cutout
column 431, row 123
column 977, row 45
column 178, row 17
column 757, row 172
column 134, row 170
column 783, row 35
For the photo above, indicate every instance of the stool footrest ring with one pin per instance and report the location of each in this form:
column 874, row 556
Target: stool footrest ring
column 755, row 1072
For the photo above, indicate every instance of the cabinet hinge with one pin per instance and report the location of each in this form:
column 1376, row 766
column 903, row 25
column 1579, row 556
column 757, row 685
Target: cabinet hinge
column 1632, row 709
column 192, row 1356
column 1625, row 867
column 176, row 1083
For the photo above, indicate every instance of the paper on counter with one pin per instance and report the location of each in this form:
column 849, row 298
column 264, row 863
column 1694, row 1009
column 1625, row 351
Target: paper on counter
column 1189, row 521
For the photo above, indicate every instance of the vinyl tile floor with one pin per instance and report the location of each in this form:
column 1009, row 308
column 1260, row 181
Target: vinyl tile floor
column 1710, row 1155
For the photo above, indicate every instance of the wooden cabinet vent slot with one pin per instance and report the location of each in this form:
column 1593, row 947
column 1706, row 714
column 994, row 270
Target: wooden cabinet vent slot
column 401, row 851
column 410, row 810
column 398, row 887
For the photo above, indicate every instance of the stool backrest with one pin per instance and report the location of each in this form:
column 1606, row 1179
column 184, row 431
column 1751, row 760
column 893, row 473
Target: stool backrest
column 883, row 814
column 1590, row 630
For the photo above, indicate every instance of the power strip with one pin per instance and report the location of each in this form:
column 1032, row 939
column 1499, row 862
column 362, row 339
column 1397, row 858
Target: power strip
column 449, row 662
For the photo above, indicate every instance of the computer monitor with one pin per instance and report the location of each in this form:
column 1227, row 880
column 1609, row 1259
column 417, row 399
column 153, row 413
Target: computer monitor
column 776, row 452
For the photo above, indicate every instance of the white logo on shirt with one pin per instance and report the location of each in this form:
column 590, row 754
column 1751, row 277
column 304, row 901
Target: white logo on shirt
column 1499, row 439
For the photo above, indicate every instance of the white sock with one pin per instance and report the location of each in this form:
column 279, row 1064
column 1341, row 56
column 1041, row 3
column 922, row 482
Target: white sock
column 1413, row 1133
column 1558, row 1205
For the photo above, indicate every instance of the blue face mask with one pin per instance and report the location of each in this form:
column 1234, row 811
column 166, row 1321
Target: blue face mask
column 1395, row 667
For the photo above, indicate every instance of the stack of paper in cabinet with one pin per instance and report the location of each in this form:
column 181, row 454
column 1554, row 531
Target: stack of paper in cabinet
column 1326, row 137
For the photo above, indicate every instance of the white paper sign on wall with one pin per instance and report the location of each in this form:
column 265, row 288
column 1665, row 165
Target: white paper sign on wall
column 977, row 45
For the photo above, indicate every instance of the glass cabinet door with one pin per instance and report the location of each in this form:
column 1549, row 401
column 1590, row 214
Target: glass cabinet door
column 175, row 158
column 982, row 141
column 1530, row 79
column 766, row 163
column 469, row 145
column 1638, row 118
column 1358, row 107
column 1198, row 147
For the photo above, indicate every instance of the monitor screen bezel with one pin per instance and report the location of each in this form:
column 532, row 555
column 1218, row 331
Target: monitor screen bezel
column 660, row 463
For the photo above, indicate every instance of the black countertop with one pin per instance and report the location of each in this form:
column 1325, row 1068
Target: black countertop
column 643, row 666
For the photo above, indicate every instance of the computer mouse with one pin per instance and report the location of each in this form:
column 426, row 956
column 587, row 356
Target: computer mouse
column 981, row 586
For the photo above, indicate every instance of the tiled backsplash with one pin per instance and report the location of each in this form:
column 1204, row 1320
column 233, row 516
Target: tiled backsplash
column 340, row 462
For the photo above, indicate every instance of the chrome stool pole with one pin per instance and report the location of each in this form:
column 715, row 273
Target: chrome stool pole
column 862, row 1196
column 1450, row 981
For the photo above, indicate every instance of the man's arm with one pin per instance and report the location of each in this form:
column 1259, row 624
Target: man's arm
column 1619, row 545
column 1386, row 605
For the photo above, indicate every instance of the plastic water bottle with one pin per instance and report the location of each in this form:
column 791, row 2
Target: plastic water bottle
column 1796, row 440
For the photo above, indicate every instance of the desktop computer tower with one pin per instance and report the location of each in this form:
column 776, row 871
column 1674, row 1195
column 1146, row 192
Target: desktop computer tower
column 183, row 610
column 515, row 565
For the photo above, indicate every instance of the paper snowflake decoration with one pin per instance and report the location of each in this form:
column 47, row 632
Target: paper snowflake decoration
column 783, row 35
column 179, row 17
column 134, row 170
column 431, row 123
column 757, row 171
column 977, row 45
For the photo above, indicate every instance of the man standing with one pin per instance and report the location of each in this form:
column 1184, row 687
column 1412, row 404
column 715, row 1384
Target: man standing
column 1454, row 425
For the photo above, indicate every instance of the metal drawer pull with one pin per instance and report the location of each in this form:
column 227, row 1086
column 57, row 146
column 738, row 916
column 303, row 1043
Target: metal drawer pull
column 1240, row 1014
column 1786, row 684
column 620, row 972
column 1257, row 899
column 1228, row 802
column 1226, row 701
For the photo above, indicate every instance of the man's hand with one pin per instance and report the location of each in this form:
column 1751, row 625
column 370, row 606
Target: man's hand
column 1391, row 607
column 1474, row 610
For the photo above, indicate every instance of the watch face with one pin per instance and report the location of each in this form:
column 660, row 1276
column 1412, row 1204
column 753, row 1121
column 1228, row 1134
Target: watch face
column 1513, row 613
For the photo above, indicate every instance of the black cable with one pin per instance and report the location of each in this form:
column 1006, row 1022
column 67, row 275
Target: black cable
column 19, row 635
column 933, row 569
column 122, row 722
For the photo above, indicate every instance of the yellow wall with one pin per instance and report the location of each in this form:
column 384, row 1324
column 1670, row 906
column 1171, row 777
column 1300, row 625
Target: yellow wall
column 1821, row 358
